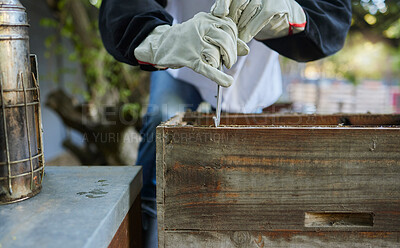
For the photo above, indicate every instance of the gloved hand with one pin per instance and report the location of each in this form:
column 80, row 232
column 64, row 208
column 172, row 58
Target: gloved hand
column 262, row 19
column 198, row 43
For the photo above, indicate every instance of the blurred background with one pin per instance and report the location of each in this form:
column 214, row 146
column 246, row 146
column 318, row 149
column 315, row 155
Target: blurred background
column 92, row 105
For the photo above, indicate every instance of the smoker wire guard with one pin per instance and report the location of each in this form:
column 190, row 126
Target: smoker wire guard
column 35, row 188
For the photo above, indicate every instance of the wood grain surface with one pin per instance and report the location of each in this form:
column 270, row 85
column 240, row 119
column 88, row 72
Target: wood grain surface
column 279, row 239
column 375, row 120
column 129, row 233
column 267, row 181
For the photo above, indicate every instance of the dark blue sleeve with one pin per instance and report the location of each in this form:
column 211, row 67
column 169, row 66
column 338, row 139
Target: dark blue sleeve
column 327, row 25
column 124, row 24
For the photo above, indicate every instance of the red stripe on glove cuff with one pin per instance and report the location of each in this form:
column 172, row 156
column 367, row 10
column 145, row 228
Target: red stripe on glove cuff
column 295, row 25
column 154, row 65
column 145, row 63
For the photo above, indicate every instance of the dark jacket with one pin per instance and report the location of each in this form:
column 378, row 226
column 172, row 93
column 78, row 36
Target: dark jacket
column 124, row 24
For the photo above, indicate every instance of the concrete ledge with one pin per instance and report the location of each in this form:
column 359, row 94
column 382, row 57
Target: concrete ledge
column 79, row 206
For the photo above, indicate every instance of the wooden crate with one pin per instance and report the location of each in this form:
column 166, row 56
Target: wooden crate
column 279, row 181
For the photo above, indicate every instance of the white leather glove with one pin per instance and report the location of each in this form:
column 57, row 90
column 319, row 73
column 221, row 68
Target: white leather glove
column 262, row 19
column 198, row 43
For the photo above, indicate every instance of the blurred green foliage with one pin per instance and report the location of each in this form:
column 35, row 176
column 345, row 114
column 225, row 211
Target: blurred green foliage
column 372, row 49
column 105, row 79
column 378, row 20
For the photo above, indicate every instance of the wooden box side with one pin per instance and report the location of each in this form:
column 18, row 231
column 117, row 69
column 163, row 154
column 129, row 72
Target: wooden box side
column 241, row 186
column 217, row 179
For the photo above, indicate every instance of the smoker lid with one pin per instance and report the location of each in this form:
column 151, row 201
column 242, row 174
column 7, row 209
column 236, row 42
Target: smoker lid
column 12, row 13
column 12, row 3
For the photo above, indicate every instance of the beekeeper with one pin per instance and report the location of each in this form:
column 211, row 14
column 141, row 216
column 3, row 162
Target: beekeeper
column 192, row 38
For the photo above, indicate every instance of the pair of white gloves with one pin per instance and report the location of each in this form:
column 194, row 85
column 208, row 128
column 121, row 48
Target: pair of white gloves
column 207, row 40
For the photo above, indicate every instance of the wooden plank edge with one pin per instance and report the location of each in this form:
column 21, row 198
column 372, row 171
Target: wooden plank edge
column 280, row 238
column 160, row 179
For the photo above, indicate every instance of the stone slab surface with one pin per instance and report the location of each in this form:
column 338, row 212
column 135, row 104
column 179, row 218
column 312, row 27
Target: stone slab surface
column 79, row 206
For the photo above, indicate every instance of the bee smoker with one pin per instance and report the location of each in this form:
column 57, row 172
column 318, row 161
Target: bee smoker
column 21, row 147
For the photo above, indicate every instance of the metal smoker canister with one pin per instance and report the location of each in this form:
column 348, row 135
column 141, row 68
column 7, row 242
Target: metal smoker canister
column 21, row 148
